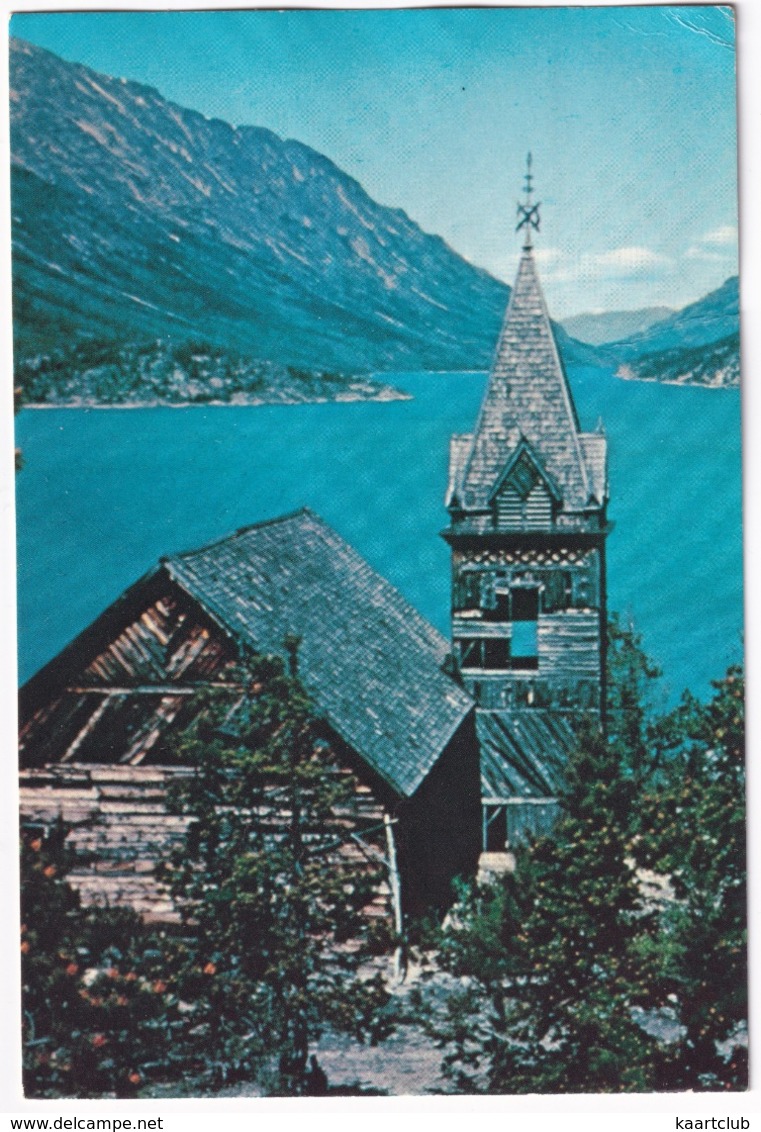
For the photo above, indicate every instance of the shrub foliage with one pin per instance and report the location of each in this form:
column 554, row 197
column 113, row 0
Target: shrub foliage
column 271, row 942
column 613, row 957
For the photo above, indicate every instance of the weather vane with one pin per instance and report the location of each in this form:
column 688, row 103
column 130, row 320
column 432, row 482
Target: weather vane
column 528, row 212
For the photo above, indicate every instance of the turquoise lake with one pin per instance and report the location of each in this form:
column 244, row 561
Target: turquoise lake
column 104, row 494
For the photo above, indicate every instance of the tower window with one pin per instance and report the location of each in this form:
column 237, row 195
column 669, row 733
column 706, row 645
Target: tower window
column 525, row 645
column 525, row 603
column 557, row 591
column 470, row 654
column 498, row 607
column 468, row 592
column 525, row 638
column 523, row 502
column 496, row 653
column 485, row 652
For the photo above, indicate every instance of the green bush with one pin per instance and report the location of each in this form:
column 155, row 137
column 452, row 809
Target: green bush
column 101, row 1014
column 269, row 951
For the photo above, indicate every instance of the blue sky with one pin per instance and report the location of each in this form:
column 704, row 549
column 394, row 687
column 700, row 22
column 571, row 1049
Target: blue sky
column 629, row 112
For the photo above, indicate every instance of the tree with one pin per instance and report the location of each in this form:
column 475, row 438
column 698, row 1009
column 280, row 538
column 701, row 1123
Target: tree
column 631, row 683
column 278, row 934
column 692, row 829
column 557, row 957
column 569, row 964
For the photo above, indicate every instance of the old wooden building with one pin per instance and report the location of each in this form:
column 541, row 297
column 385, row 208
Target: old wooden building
column 453, row 752
column 527, row 502
column 100, row 722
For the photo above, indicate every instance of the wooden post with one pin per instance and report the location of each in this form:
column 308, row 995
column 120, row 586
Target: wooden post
column 396, row 896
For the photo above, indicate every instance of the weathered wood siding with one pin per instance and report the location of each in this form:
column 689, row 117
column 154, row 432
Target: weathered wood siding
column 166, row 642
column 569, row 644
column 118, row 705
column 514, row 512
column 120, row 828
column 567, row 671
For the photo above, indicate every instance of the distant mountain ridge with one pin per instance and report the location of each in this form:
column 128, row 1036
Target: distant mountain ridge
column 711, row 318
column 698, row 345
column 136, row 219
column 610, row 326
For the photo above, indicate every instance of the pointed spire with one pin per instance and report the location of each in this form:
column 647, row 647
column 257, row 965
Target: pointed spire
column 528, row 397
column 528, row 212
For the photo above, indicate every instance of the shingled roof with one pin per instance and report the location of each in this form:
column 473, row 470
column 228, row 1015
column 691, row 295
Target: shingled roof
column 528, row 397
column 523, row 753
column 371, row 662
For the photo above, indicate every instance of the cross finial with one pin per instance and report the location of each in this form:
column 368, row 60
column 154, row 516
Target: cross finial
column 528, row 212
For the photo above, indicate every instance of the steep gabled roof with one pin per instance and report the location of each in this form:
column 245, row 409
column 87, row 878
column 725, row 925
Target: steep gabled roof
column 528, row 396
column 371, row 662
column 524, row 454
column 459, row 448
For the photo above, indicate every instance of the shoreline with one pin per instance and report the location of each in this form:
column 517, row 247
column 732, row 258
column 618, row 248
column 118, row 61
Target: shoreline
column 247, row 404
column 390, row 396
column 678, row 384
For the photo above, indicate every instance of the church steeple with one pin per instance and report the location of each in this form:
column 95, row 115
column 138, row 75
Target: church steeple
column 527, row 504
column 528, row 400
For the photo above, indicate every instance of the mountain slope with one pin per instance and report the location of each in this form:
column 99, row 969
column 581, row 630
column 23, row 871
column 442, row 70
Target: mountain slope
column 611, row 326
column 714, row 363
column 710, row 319
column 134, row 218
column 698, row 345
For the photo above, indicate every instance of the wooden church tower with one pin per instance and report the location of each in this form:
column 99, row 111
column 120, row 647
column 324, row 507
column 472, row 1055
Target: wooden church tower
column 527, row 503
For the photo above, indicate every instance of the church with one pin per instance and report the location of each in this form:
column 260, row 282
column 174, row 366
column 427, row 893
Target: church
column 527, row 500
column 456, row 748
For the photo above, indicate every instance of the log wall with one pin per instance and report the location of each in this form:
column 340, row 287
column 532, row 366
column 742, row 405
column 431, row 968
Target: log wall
column 120, row 828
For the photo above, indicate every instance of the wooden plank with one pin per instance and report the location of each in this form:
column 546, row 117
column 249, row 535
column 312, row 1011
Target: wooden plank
column 86, row 731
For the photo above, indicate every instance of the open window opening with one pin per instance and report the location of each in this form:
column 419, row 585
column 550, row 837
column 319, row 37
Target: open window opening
column 484, row 652
column 467, row 594
column 525, row 635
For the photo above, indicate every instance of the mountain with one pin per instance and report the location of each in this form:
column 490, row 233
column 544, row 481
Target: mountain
column 711, row 318
column 610, row 326
column 135, row 219
column 715, row 364
column 88, row 372
column 699, row 344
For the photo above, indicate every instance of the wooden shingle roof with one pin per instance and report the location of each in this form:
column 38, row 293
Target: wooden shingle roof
column 370, row 661
column 523, row 753
column 528, row 397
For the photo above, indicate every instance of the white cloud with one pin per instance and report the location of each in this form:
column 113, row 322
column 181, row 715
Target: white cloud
column 630, row 259
column 548, row 260
column 617, row 263
column 704, row 255
column 723, row 236
column 549, row 257
column 618, row 278
column 717, row 246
